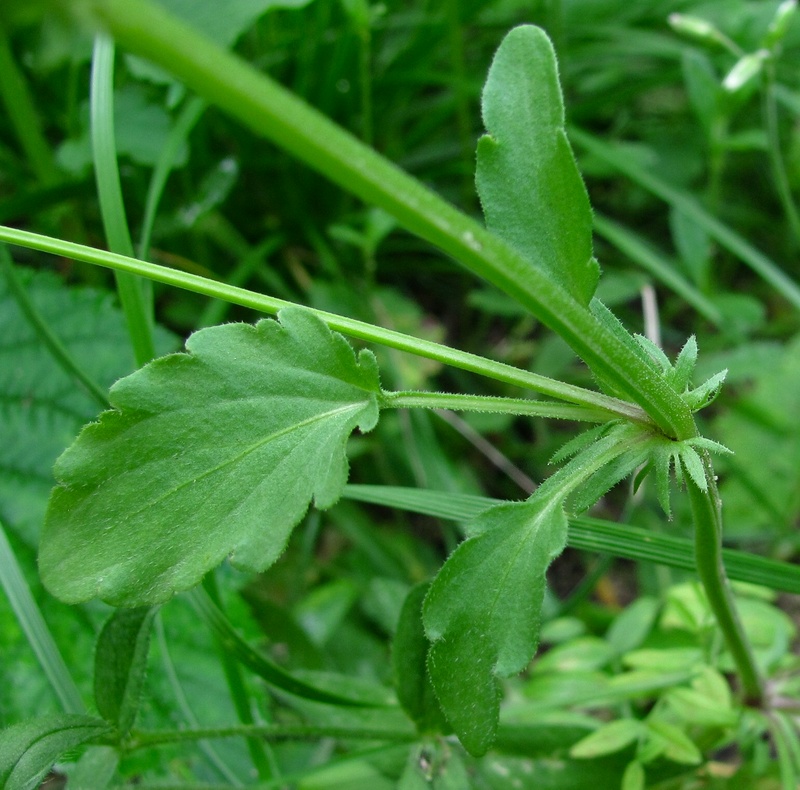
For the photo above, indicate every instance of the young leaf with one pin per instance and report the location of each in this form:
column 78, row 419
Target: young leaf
column 529, row 185
column 483, row 611
column 29, row 749
column 610, row 738
column 210, row 453
column 120, row 664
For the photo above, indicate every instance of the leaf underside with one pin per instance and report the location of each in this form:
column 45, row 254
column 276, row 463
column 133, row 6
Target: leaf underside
column 529, row 185
column 210, row 453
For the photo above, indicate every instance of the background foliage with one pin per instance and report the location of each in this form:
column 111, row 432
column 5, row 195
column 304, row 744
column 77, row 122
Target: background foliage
column 691, row 169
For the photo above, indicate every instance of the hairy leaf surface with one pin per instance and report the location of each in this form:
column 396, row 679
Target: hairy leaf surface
column 210, row 453
column 483, row 611
column 530, row 188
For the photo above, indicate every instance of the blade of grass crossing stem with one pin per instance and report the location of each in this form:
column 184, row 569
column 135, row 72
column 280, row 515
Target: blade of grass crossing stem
column 767, row 269
column 135, row 294
column 186, row 710
column 589, row 534
column 260, row 752
column 35, row 629
column 258, row 663
column 348, row 326
column 654, row 263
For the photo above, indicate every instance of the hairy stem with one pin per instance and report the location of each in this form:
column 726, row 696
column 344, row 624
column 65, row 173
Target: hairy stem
column 483, row 403
column 358, row 329
column 707, row 518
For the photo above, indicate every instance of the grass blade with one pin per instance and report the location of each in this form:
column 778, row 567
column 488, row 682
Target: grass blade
column 680, row 200
column 35, row 629
column 590, row 534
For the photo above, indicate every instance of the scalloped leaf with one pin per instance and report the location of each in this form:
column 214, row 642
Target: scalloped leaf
column 529, row 185
column 210, row 453
column 483, row 611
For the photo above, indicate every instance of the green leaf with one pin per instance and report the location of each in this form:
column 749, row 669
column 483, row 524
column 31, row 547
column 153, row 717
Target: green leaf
column 610, row 738
column 677, row 746
column 483, row 611
column 529, row 185
column 409, row 650
column 120, row 665
column 633, row 778
column 211, row 453
column 681, row 374
column 29, row 749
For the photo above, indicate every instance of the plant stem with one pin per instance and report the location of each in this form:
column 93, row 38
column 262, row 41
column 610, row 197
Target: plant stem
column 269, row 732
column 358, row 329
column 273, row 112
column 134, row 296
column 770, row 110
column 56, row 348
column 707, row 518
column 483, row 403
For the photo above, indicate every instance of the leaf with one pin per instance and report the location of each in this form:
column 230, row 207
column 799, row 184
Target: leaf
column 210, row 453
column 609, row 738
column 529, row 185
column 409, row 650
column 677, row 746
column 29, row 749
column 681, row 374
column 483, row 611
column 120, row 665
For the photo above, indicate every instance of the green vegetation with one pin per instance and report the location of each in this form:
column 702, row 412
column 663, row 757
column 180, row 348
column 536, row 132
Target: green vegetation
column 453, row 516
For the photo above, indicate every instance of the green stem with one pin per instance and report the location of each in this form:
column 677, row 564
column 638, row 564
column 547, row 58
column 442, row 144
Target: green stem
column 484, row 403
column 770, row 109
column 707, row 518
column 269, row 732
column 51, row 342
column 23, row 116
column 186, row 121
column 358, row 329
column 133, row 295
column 273, row 112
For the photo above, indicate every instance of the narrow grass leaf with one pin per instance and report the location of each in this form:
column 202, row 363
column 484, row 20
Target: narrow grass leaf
column 210, row 453
column 591, row 534
column 483, row 611
column 529, row 185
column 766, row 268
column 35, row 628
